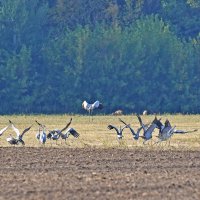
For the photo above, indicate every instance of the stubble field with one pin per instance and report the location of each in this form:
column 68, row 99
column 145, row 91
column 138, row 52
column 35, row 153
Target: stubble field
column 96, row 165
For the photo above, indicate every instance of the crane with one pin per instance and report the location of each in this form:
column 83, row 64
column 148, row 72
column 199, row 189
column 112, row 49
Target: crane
column 19, row 138
column 90, row 107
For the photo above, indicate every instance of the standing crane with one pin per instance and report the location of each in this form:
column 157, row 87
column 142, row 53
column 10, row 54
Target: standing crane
column 41, row 135
column 90, row 107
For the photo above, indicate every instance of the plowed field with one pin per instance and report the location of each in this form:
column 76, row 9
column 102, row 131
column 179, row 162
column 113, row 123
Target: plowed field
column 92, row 173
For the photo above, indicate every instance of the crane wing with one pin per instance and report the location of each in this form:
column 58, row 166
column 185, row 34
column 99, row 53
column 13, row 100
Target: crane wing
column 167, row 123
column 26, row 130
column 95, row 104
column 73, row 132
column 15, row 129
column 42, row 125
column 141, row 124
column 128, row 126
column 123, row 121
column 183, row 132
column 67, row 125
column 3, row 130
column 110, row 126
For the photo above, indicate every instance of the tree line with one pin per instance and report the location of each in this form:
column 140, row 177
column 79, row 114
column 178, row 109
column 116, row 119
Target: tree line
column 129, row 54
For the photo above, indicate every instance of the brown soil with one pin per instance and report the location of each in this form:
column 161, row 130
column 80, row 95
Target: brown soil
column 66, row 173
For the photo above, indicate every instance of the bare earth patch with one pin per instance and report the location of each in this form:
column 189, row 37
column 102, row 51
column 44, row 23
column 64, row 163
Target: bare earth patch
column 89, row 173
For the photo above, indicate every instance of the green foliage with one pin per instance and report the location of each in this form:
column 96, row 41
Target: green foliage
column 194, row 3
column 131, row 55
column 183, row 16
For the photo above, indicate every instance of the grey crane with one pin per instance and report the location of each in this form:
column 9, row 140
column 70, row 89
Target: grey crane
column 118, row 131
column 56, row 133
column 41, row 135
column 148, row 131
column 69, row 131
column 166, row 131
column 135, row 134
column 19, row 138
column 90, row 107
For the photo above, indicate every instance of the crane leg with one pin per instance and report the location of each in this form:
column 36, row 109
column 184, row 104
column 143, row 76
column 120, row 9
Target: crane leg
column 91, row 115
column 169, row 141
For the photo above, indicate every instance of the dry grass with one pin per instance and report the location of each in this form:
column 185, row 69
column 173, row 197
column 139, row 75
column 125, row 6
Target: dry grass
column 95, row 133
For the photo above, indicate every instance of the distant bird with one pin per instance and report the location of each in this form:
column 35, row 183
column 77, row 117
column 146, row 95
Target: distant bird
column 118, row 112
column 119, row 131
column 69, row 131
column 145, row 112
column 56, row 133
column 166, row 131
column 135, row 134
column 3, row 130
column 19, row 137
column 148, row 131
column 90, row 107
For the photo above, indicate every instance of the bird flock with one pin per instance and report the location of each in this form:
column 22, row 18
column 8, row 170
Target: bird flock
column 166, row 131
column 144, row 131
column 41, row 135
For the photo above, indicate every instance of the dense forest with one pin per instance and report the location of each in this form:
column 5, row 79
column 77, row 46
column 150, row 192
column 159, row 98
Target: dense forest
column 129, row 54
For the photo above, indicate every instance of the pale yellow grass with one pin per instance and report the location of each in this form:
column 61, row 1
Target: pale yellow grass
column 95, row 133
